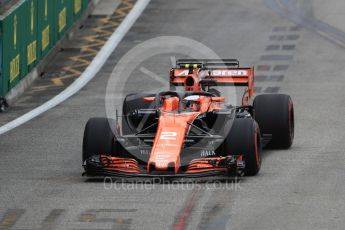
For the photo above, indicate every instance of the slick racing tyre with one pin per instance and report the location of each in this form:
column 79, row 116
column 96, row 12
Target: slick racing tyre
column 275, row 115
column 98, row 137
column 244, row 139
column 131, row 103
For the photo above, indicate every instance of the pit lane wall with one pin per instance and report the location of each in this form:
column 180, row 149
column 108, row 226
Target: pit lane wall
column 28, row 31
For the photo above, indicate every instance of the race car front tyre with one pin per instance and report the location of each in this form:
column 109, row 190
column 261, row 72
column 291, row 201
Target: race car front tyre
column 244, row 139
column 98, row 137
column 275, row 115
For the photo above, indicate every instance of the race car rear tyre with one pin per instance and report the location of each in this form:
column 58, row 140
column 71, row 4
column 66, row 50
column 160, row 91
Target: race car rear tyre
column 98, row 137
column 130, row 103
column 244, row 139
column 275, row 115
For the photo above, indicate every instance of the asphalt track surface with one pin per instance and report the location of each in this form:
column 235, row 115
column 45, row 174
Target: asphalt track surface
column 302, row 188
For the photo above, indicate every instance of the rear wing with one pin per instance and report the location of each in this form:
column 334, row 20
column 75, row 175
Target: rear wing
column 207, row 63
column 211, row 72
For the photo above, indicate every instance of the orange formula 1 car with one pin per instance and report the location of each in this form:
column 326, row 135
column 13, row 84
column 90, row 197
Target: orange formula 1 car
column 193, row 132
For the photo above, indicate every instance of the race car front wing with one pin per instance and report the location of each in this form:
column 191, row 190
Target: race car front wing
column 103, row 165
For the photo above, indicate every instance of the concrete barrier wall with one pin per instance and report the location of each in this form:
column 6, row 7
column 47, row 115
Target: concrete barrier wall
column 28, row 31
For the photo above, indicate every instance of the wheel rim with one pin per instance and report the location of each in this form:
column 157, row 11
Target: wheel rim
column 291, row 122
column 257, row 147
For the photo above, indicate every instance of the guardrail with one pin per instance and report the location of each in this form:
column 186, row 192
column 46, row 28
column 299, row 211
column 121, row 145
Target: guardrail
column 28, row 31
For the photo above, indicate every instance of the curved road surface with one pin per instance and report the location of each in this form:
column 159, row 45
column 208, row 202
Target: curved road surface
column 302, row 188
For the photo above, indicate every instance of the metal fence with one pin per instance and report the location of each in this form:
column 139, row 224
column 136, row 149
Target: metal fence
column 28, row 31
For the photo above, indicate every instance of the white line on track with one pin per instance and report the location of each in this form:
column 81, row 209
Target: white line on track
column 90, row 71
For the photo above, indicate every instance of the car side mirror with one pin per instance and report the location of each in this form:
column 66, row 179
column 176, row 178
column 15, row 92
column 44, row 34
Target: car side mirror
column 218, row 99
column 149, row 99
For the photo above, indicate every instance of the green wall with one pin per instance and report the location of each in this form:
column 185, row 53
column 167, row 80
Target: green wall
column 28, row 31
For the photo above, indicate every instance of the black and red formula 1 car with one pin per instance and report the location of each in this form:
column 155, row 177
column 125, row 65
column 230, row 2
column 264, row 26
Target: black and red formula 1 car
column 191, row 133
